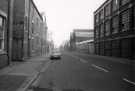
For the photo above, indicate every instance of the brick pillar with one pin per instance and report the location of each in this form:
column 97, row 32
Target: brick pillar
column 10, row 29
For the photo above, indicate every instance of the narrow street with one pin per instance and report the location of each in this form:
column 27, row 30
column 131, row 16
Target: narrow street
column 84, row 73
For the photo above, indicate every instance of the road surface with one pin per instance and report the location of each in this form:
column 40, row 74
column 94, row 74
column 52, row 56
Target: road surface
column 84, row 73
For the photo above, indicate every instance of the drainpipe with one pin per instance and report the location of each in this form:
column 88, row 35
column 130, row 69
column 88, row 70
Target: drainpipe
column 10, row 29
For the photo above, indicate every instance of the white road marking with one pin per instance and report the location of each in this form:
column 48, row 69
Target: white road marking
column 30, row 80
column 131, row 82
column 45, row 66
column 83, row 61
column 100, row 68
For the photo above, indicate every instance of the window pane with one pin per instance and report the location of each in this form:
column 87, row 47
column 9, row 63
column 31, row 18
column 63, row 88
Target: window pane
column 115, row 24
column 1, row 44
column 0, row 21
column 97, row 32
column 134, row 17
column 1, row 33
column 115, row 5
column 97, row 18
column 107, row 10
column 124, row 2
column 101, row 30
column 125, row 21
column 101, row 14
column 107, row 28
column 2, row 27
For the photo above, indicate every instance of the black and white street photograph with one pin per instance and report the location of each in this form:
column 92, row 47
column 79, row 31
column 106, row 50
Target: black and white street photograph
column 67, row 45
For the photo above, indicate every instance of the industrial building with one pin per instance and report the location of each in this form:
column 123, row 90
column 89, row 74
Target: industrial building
column 81, row 40
column 6, row 8
column 28, row 30
column 23, row 31
column 114, row 29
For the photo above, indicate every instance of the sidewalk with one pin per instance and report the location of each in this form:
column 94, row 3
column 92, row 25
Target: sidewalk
column 18, row 75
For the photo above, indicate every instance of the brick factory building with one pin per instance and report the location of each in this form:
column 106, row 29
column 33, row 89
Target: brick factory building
column 6, row 8
column 114, row 29
column 23, row 31
column 27, row 30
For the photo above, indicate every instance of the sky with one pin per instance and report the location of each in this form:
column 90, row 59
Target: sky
column 65, row 15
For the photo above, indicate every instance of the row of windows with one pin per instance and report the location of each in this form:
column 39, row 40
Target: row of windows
column 112, row 26
column 118, row 48
column 106, row 11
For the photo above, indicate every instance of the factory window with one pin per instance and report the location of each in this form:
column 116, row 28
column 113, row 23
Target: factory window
column 115, row 24
column 2, row 28
column 102, row 30
column 97, row 18
column 115, row 5
column 107, row 28
column 134, row 17
column 97, row 32
column 108, row 10
column 32, row 28
column 123, row 2
column 101, row 14
column 125, row 20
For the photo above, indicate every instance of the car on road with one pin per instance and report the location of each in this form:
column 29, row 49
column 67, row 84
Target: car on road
column 55, row 55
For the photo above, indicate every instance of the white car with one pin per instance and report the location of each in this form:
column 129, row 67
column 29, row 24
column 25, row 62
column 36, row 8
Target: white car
column 55, row 55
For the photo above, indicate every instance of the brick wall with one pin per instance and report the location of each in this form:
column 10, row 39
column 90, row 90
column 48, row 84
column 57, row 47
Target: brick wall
column 18, row 29
column 4, row 6
column 119, row 30
column 3, row 54
column 35, row 30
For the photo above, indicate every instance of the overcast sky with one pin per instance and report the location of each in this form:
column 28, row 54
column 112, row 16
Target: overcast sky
column 65, row 15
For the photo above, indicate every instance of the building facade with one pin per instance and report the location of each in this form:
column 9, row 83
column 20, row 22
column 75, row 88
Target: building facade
column 80, row 40
column 3, row 32
column 44, row 44
column 27, row 30
column 6, row 7
column 114, row 29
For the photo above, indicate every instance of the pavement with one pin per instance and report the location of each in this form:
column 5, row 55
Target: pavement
column 19, row 75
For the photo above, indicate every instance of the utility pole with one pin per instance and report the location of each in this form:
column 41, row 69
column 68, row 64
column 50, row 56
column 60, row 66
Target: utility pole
column 10, row 29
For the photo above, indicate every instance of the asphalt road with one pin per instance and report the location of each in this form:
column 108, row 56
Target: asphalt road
column 84, row 73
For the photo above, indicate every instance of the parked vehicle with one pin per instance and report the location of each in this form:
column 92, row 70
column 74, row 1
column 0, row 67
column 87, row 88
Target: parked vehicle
column 56, row 54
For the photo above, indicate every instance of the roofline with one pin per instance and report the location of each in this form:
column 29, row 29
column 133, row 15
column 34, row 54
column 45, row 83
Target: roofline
column 83, row 30
column 101, row 6
column 37, row 10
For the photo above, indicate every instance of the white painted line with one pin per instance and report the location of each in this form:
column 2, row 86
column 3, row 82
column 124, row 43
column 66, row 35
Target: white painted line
column 27, row 83
column 100, row 68
column 131, row 82
column 45, row 67
column 83, row 61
